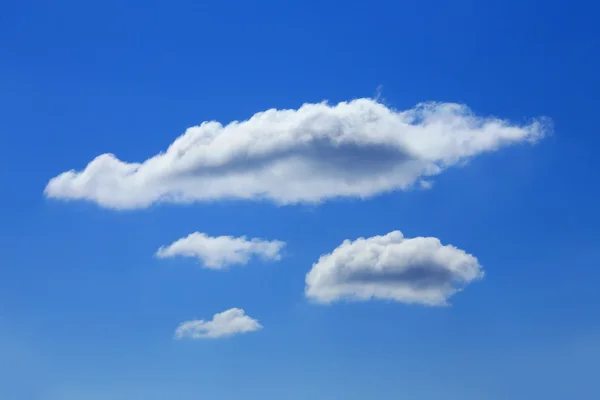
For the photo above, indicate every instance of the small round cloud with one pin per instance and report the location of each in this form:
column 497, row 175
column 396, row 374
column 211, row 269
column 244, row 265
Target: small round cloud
column 227, row 323
column 408, row 270
column 220, row 252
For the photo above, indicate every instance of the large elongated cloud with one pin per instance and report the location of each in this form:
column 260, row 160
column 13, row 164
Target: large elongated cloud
column 222, row 251
column 227, row 323
column 353, row 149
column 392, row 267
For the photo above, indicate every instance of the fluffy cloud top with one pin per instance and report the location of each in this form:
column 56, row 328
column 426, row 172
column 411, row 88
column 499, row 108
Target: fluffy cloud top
column 353, row 149
column 230, row 322
column 418, row 270
column 222, row 251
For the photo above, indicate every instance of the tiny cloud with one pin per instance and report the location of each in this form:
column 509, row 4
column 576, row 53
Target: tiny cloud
column 222, row 251
column 227, row 323
column 408, row 270
column 317, row 152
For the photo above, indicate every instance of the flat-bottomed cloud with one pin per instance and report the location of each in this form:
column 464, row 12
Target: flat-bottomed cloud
column 227, row 323
column 392, row 267
column 222, row 251
column 318, row 152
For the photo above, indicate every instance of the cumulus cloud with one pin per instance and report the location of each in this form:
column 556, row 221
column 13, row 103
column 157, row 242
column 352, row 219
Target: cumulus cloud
column 392, row 267
column 222, row 251
column 227, row 323
column 318, row 152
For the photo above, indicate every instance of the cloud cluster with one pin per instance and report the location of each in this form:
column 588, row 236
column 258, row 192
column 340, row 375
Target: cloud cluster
column 409, row 270
column 318, row 152
column 222, row 251
column 312, row 154
column 227, row 323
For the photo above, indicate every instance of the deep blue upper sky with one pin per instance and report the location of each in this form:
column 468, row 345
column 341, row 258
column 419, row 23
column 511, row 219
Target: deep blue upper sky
column 86, row 311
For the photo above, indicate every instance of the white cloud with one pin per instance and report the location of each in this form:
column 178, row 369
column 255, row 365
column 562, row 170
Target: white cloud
column 228, row 323
column 353, row 149
column 222, row 251
column 408, row 270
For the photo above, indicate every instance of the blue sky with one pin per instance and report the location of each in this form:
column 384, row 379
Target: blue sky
column 88, row 312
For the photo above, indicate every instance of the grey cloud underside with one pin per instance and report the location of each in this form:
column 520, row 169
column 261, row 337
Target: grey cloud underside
column 318, row 152
column 424, row 276
column 321, row 154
